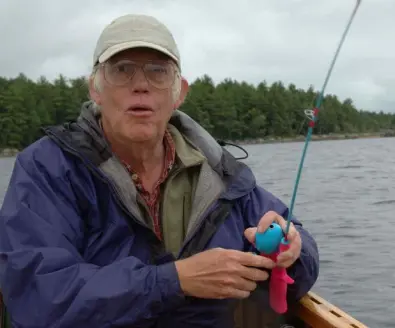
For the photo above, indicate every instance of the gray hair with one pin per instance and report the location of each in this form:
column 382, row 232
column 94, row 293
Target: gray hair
column 97, row 84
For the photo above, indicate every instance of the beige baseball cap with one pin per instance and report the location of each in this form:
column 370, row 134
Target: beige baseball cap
column 135, row 31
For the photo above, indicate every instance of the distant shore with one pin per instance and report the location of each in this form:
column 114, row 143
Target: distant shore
column 11, row 152
column 315, row 137
column 8, row 152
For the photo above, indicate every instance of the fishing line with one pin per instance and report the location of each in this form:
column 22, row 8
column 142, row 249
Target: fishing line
column 312, row 115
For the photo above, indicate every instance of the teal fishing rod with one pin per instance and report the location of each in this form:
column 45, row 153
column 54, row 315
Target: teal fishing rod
column 312, row 115
column 274, row 240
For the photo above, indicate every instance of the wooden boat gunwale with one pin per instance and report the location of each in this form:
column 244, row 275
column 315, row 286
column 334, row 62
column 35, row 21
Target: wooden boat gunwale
column 317, row 312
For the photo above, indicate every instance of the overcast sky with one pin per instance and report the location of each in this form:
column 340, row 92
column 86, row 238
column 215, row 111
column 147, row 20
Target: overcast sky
column 289, row 40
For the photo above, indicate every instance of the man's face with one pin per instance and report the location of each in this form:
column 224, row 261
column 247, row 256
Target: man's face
column 137, row 95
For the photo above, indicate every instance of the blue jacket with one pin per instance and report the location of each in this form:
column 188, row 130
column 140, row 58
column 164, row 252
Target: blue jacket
column 75, row 253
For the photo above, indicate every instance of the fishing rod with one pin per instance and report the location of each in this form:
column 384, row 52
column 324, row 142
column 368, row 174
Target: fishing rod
column 274, row 240
column 314, row 113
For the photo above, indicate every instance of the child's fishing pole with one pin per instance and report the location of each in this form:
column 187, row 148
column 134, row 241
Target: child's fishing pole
column 271, row 242
column 313, row 117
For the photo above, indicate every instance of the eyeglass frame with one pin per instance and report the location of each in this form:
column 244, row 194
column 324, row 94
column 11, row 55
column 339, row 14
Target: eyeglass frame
column 174, row 67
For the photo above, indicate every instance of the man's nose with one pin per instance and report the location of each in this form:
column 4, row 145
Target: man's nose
column 139, row 83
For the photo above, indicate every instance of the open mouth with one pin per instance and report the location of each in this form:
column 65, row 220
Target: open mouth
column 140, row 110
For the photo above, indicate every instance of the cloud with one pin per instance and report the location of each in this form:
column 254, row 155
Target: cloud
column 253, row 40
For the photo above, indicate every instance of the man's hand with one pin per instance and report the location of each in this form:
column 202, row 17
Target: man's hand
column 287, row 258
column 220, row 273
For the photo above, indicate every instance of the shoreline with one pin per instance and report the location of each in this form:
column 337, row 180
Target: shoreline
column 328, row 137
column 12, row 152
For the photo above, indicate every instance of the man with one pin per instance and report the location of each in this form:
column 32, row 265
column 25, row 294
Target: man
column 133, row 216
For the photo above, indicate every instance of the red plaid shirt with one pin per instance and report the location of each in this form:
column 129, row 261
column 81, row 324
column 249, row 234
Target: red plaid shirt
column 153, row 199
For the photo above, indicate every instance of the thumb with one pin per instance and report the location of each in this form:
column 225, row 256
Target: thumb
column 250, row 233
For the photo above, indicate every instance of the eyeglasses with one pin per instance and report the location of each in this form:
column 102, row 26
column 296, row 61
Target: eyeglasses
column 160, row 74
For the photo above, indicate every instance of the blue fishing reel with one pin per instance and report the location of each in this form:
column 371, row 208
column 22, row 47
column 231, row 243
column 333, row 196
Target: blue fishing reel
column 269, row 241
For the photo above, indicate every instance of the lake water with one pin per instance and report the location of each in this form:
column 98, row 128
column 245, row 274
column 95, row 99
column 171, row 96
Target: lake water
column 346, row 199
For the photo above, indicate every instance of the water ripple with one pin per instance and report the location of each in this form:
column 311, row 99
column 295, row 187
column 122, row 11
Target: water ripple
column 346, row 200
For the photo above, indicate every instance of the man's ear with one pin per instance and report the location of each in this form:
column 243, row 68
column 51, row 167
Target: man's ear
column 93, row 92
column 182, row 94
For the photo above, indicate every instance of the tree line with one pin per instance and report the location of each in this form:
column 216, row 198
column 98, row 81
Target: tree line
column 230, row 110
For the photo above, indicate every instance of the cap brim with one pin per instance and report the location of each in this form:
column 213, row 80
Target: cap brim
column 111, row 51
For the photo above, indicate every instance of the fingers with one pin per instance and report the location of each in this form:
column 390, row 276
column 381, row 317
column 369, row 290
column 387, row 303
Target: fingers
column 244, row 284
column 250, row 259
column 250, row 233
column 287, row 258
column 268, row 218
column 254, row 274
column 281, row 221
column 292, row 232
column 237, row 287
column 236, row 293
column 238, row 272
column 265, row 222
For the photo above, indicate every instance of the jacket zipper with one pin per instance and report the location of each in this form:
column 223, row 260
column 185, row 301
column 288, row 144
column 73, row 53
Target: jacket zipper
column 196, row 228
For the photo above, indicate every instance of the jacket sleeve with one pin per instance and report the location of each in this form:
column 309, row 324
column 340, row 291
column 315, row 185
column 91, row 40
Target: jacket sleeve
column 44, row 278
column 306, row 268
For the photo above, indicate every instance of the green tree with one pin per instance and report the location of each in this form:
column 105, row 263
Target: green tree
column 230, row 110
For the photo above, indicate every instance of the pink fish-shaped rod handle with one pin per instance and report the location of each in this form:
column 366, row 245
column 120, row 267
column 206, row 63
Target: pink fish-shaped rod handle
column 278, row 284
